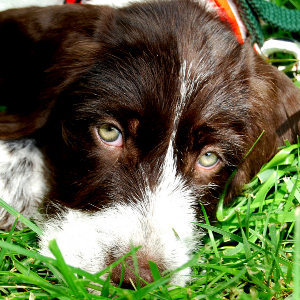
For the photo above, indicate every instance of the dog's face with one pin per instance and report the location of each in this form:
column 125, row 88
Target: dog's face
column 140, row 114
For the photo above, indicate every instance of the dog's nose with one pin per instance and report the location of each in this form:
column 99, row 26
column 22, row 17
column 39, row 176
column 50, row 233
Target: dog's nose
column 129, row 276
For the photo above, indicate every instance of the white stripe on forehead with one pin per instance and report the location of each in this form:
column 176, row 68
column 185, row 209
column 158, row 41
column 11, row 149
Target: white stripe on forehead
column 187, row 85
column 184, row 87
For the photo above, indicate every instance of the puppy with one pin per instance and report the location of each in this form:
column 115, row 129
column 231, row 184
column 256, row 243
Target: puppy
column 120, row 121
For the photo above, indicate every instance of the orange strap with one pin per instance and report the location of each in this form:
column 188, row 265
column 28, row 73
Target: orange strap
column 226, row 13
column 72, row 1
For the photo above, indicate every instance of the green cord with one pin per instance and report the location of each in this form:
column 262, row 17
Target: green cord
column 251, row 22
column 282, row 18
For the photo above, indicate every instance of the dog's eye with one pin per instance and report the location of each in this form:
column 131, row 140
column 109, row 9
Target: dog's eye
column 208, row 160
column 110, row 135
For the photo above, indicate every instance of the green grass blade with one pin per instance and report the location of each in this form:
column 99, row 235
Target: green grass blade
column 223, row 286
column 3, row 250
column 78, row 290
column 24, row 220
column 57, row 274
column 238, row 239
column 49, row 260
column 280, row 158
column 106, row 285
column 156, row 276
column 27, row 272
column 212, row 239
column 245, row 241
column 221, row 231
column 56, row 292
column 154, row 270
column 296, row 280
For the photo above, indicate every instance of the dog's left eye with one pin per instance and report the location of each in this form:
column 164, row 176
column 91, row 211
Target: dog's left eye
column 208, row 160
column 110, row 135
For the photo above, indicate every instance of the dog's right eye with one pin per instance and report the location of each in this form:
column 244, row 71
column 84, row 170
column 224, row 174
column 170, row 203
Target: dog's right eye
column 110, row 135
column 208, row 160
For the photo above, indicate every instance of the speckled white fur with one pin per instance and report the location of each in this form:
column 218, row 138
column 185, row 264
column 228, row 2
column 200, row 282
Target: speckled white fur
column 22, row 183
column 8, row 4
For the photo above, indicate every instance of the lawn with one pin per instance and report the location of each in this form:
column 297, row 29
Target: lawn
column 252, row 252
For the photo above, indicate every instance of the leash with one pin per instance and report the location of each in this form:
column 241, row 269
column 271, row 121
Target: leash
column 227, row 12
column 282, row 18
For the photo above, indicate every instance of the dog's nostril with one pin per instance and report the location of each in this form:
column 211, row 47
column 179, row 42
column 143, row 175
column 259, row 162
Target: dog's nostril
column 129, row 276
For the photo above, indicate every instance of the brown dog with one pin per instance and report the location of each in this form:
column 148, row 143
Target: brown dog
column 121, row 120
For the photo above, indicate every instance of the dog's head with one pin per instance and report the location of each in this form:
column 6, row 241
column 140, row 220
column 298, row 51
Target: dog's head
column 140, row 113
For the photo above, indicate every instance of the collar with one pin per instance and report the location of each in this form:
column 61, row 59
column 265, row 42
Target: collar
column 228, row 11
column 72, row 1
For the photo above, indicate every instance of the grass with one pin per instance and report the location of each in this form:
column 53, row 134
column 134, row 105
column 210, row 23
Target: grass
column 252, row 252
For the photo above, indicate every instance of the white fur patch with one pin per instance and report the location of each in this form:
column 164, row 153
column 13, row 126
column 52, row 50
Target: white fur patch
column 115, row 3
column 8, row 4
column 88, row 240
column 22, row 183
column 188, row 84
column 121, row 3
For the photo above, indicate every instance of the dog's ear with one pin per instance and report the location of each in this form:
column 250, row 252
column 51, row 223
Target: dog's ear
column 42, row 51
column 274, row 104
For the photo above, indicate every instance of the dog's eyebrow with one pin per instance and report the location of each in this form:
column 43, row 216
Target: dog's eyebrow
column 133, row 125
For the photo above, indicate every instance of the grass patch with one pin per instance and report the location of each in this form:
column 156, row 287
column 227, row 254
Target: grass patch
column 248, row 254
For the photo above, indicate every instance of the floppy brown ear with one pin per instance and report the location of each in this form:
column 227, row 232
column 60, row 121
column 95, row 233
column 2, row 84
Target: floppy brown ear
column 274, row 104
column 42, row 51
